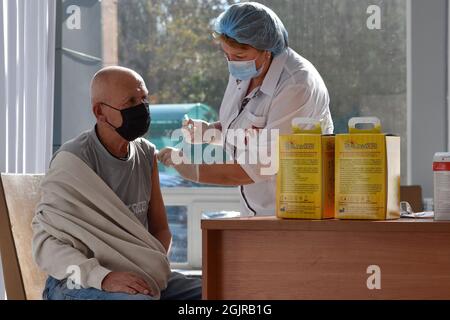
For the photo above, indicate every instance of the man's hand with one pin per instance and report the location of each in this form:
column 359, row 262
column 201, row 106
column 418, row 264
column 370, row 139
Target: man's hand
column 125, row 282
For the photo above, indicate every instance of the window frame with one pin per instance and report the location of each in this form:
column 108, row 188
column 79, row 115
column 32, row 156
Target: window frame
column 198, row 200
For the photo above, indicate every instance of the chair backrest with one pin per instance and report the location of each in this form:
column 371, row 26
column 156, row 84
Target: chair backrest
column 19, row 195
column 412, row 195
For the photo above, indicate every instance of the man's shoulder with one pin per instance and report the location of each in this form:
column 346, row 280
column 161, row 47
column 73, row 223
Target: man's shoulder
column 76, row 146
column 145, row 146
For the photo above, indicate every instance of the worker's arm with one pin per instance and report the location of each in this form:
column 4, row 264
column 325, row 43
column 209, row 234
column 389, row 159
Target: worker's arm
column 223, row 174
column 157, row 218
column 215, row 174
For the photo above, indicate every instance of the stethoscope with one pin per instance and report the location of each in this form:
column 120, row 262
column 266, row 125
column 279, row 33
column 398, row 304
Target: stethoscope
column 244, row 103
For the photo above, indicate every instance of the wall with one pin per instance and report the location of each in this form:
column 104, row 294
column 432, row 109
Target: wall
column 74, row 71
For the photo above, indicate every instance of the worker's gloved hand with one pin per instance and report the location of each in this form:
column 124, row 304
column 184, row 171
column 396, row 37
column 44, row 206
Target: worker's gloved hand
column 171, row 157
column 194, row 130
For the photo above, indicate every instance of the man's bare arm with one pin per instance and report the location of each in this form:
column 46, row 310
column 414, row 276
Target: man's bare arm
column 157, row 218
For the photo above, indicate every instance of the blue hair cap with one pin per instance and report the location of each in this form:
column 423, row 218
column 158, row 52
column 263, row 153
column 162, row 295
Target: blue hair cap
column 253, row 24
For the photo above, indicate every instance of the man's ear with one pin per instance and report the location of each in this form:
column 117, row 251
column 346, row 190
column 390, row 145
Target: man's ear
column 98, row 112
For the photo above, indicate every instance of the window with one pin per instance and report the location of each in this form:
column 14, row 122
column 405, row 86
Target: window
column 185, row 208
column 169, row 43
column 177, row 216
column 364, row 69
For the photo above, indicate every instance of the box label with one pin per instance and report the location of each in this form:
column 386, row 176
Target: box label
column 361, row 176
column 299, row 180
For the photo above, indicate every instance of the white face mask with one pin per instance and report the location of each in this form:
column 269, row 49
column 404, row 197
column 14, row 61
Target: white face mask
column 244, row 70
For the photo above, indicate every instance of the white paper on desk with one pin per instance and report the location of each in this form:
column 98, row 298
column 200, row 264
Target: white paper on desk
column 221, row 215
column 419, row 215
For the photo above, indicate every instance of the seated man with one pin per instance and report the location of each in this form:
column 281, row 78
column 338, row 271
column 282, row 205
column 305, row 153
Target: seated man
column 101, row 229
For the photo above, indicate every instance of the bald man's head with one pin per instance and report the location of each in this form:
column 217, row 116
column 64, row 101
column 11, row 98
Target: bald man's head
column 114, row 84
column 114, row 89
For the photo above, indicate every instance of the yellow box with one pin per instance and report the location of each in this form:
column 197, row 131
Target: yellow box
column 305, row 180
column 367, row 173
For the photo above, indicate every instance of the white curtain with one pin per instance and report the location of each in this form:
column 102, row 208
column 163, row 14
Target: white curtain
column 27, row 54
column 27, row 48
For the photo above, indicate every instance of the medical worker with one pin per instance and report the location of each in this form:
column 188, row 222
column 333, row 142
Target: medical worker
column 269, row 85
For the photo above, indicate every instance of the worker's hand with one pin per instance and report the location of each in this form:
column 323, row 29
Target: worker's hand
column 194, row 130
column 125, row 282
column 171, row 157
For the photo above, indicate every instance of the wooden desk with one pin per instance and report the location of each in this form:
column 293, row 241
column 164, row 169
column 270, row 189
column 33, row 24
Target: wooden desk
column 267, row 258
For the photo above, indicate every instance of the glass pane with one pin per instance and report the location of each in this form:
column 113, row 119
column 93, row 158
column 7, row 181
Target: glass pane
column 177, row 216
column 364, row 69
column 170, row 44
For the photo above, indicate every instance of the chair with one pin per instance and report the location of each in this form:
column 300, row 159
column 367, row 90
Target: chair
column 19, row 195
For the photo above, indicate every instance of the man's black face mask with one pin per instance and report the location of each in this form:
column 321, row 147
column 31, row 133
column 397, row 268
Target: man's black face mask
column 136, row 121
